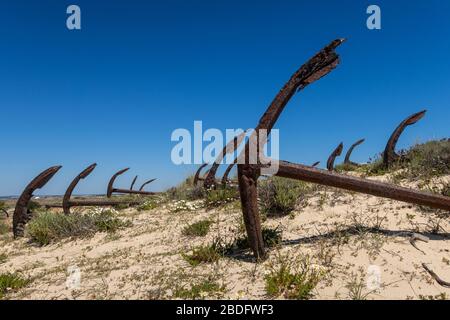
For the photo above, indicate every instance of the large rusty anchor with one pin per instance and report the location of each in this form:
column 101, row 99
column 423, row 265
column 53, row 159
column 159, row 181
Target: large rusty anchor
column 336, row 153
column 68, row 202
column 21, row 213
column 349, row 153
column 197, row 173
column 230, row 147
column 225, row 179
column 317, row 67
column 112, row 190
column 389, row 154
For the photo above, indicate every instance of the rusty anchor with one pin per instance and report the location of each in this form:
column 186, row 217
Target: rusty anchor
column 389, row 154
column 336, row 153
column 112, row 190
column 133, row 182
column 225, row 180
column 349, row 153
column 197, row 173
column 67, row 202
column 315, row 164
column 21, row 213
column 141, row 188
column 230, row 147
column 317, row 67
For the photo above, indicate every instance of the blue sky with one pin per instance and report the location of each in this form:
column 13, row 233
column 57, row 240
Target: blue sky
column 113, row 92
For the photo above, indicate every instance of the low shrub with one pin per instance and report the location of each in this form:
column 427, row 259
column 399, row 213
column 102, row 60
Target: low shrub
column 11, row 282
column 48, row 226
column 220, row 197
column 292, row 279
column 280, row 196
column 197, row 229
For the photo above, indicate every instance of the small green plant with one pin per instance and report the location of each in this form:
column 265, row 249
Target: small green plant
column 11, row 281
column 34, row 206
column 198, row 291
column 280, row 196
column 219, row 197
column 3, row 228
column 356, row 287
column 197, row 229
column 148, row 205
column 48, row 226
column 121, row 206
column 271, row 238
column 292, row 279
column 345, row 167
column 3, row 258
column 375, row 167
column 205, row 254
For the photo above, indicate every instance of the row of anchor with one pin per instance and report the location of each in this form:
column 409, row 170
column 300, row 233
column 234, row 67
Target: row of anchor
column 316, row 68
column 22, row 213
column 389, row 155
column 320, row 65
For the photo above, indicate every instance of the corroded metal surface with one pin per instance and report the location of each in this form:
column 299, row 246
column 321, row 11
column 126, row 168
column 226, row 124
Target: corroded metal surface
column 83, row 174
column 389, row 154
column 248, row 174
column 112, row 190
column 380, row 189
column 21, row 213
column 227, row 172
column 349, row 152
column 318, row 66
column 133, row 182
column 146, row 183
column 68, row 203
column 336, row 153
column 230, row 147
column 197, row 173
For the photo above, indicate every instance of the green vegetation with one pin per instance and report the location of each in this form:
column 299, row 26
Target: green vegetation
column 186, row 191
column 11, row 281
column 271, row 238
column 3, row 228
column 149, row 205
column 47, row 226
column 198, row 229
column 221, row 196
column 280, row 196
column 292, row 279
column 34, row 206
column 205, row 254
column 197, row 291
column 427, row 160
column 3, row 258
column 344, row 167
column 421, row 161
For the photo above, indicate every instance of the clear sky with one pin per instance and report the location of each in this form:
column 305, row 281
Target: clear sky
column 113, row 92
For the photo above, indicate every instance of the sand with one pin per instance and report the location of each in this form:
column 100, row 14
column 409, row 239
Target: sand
column 360, row 243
